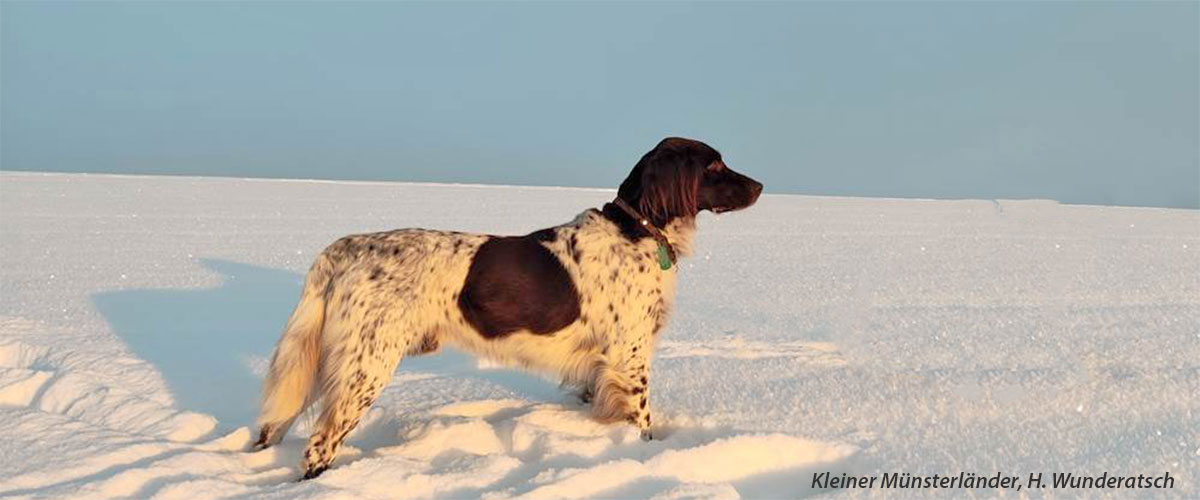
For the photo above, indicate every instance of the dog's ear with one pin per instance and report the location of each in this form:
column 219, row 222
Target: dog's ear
column 664, row 184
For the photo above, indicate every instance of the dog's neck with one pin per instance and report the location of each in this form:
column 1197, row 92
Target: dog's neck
column 678, row 230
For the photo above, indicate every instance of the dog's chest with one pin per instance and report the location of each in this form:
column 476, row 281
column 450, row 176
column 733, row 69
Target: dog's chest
column 620, row 283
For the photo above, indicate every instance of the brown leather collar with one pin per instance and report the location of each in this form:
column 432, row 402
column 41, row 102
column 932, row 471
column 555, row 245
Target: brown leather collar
column 645, row 223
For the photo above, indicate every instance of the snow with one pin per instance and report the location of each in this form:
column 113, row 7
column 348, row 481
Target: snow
column 811, row 334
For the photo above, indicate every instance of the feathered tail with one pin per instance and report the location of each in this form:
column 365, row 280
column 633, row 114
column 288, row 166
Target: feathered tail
column 296, row 362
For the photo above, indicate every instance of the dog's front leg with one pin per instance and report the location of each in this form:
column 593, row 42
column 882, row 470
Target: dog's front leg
column 623, row 387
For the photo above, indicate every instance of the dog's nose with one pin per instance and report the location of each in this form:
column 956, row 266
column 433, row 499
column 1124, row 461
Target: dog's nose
column 756, row 188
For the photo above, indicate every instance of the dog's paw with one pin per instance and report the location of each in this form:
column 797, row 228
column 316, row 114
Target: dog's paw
column 264, row 440
column 314, row 472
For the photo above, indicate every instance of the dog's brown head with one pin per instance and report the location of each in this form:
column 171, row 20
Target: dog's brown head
column 680, row 177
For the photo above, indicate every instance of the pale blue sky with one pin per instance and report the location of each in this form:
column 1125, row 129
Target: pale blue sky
column 1083, row 102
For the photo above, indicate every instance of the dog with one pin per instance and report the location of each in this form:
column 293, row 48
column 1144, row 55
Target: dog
column 582, row 301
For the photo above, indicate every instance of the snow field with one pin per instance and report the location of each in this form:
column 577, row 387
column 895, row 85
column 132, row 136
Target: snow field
column 810, row 334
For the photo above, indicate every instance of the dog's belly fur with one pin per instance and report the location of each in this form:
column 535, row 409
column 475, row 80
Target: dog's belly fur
column 405, row 286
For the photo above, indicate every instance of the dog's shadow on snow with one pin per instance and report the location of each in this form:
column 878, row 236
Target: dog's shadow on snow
column 206, row 342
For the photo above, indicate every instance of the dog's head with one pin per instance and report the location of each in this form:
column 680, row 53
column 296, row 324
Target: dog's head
column 680, row 177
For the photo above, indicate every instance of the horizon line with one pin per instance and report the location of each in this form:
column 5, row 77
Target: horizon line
column 4, row 171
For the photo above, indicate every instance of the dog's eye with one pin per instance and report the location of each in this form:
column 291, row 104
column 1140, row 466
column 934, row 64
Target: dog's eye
column 716, row 166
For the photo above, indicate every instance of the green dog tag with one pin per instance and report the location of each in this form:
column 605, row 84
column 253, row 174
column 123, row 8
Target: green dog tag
column 664, row 258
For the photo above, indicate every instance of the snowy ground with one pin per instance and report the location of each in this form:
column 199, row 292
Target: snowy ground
column 810, row 334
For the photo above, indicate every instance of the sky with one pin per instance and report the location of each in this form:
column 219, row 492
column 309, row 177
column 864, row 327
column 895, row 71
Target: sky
column 1081, row 102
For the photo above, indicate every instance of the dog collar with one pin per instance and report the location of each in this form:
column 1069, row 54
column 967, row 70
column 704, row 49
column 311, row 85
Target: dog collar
column 666, row 252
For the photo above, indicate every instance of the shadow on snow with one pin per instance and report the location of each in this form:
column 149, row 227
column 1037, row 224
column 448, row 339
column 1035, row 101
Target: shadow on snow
column 205, row 342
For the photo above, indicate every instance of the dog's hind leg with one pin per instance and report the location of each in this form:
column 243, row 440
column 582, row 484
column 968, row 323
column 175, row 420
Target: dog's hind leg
column 358, row 368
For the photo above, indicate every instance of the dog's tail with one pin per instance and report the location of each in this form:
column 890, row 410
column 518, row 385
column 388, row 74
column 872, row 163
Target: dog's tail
column 294, row 367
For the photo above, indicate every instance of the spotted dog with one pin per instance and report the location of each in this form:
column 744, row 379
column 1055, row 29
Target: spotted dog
column 582, row 301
